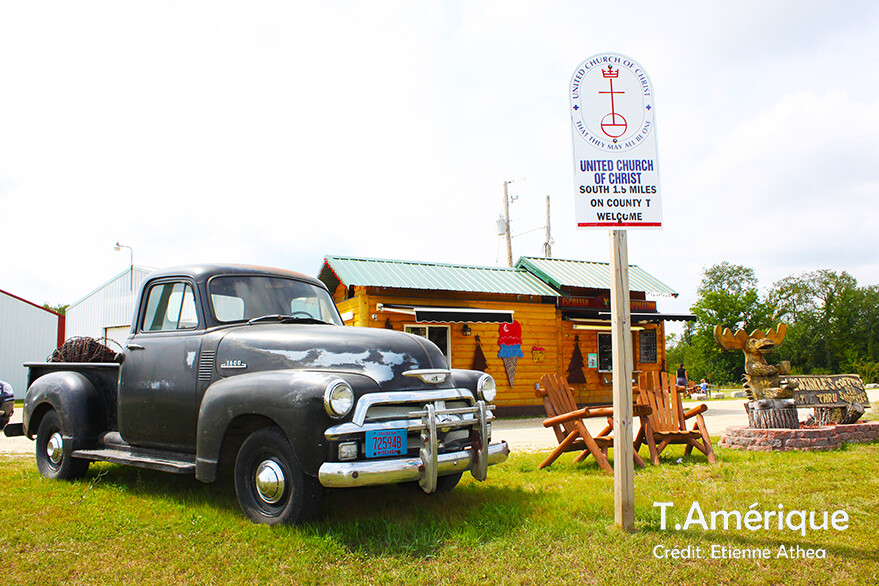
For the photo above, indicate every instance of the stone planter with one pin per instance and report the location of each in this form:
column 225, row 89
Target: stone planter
column 807, row 439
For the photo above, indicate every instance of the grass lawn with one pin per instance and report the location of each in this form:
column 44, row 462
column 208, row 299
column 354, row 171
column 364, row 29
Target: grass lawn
column 522, row 526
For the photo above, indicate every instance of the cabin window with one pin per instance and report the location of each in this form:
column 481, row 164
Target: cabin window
column 605, row 351
column 170, row 306
column 647, row 343
column 439, row 335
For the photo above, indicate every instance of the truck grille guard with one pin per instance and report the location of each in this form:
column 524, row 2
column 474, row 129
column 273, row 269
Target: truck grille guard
column 429, row 418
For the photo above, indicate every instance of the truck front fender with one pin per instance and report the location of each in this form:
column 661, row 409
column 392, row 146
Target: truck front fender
column 290, row 399
column 78, row 404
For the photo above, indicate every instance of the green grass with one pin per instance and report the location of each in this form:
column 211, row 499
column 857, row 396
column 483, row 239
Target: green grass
column 521, row 526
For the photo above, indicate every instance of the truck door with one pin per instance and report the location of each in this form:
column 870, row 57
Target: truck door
column 157, row 400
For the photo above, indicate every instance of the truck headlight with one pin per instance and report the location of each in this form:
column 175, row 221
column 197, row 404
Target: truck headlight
column 338, row 398
column 486, row 389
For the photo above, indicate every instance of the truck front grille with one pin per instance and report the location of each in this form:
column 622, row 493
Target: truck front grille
column 455, row 412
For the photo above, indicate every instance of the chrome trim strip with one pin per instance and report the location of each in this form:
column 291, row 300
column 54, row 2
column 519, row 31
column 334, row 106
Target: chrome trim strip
column 412, row 422
column 454, row 411
column 397, row 397
column 366, row 473
column 347, row 429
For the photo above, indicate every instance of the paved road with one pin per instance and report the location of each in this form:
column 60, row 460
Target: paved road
column 524, row 435
column 529, row 435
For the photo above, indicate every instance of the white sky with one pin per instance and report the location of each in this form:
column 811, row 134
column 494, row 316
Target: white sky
column 278, row 132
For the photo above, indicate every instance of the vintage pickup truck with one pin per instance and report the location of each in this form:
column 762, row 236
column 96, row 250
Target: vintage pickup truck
column 251, row 370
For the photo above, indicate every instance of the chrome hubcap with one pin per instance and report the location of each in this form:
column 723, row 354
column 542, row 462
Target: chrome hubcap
column 55, row 448
column 270, row 481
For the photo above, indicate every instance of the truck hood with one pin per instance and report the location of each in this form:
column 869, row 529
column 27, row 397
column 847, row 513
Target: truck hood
column 381, row 354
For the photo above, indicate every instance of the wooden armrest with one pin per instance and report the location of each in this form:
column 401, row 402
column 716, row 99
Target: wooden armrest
column 566, row 417
column 642, row 410
column 589, row 412
column 696, row 411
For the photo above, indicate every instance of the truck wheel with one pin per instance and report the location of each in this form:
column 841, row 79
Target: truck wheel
column 270, row 485
column 53, row 454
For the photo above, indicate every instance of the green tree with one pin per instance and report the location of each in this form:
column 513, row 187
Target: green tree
column 833, row 325
column 59, row 309
column 729, row 297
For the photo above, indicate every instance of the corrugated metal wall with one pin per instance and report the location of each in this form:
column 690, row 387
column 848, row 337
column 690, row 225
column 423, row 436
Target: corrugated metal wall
column 109, row 306
column 27, row 334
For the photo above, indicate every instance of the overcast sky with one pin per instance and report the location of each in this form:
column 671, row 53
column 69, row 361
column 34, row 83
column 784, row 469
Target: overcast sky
column 279, row 132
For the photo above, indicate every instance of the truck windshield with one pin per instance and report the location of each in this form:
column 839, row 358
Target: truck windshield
column 244, row 298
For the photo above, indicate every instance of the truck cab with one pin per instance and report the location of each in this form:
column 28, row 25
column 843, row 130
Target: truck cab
column 251, row 368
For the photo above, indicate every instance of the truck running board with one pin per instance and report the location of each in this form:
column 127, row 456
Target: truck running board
column 144, row 458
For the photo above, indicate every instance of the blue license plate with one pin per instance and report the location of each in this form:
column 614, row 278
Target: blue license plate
column 387, row 442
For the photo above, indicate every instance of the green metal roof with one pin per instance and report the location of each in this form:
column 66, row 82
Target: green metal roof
column 593, row 275
column 371, row 272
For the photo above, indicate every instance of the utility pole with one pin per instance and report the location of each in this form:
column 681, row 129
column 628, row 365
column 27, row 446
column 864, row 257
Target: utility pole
column 507, row 225
column 547, row 246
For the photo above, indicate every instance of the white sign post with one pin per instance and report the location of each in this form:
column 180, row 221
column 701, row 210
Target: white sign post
column 616, row 186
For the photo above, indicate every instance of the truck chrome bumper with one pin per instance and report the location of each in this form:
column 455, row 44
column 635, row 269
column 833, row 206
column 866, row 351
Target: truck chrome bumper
column 422, row 468
column 429, row 464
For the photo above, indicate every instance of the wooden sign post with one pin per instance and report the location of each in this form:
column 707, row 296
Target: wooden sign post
column 621, row 341
column 616, row 186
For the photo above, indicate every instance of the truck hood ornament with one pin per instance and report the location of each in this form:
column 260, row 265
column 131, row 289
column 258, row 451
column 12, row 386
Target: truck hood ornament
column 430, row 376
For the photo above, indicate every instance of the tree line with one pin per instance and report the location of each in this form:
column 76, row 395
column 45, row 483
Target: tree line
column 832, row 324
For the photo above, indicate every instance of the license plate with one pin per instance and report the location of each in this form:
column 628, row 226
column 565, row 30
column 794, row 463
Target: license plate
column 387, row 442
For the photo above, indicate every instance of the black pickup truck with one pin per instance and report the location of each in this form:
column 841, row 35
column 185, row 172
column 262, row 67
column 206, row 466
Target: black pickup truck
column 251, row 369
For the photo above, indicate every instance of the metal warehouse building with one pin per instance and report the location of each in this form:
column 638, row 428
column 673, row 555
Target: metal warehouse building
column 107, row 311
column 28, row 333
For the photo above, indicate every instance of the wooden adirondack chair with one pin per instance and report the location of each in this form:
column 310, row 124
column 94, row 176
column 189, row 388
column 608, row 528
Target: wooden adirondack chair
column 668, row 423
column 570, row 430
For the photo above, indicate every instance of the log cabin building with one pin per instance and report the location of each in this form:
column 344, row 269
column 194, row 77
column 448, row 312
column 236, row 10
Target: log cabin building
column 543, row 315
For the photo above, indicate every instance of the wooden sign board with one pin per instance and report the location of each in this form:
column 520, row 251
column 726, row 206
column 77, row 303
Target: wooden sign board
column 836, row 390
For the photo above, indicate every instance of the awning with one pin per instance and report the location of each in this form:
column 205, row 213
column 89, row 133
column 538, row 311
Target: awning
column 436, row 314
column 634, row 317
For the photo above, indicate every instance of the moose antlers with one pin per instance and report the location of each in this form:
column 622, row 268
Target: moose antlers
column 737, row 341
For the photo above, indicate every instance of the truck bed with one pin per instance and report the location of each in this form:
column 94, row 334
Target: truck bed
column 103, row 375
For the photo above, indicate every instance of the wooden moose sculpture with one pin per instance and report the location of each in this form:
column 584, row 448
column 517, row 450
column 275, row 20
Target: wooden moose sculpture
column 772, row 403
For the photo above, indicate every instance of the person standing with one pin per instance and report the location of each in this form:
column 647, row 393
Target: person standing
column 681, row 377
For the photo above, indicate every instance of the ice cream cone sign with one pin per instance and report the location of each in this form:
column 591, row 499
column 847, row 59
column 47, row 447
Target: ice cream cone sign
column 510, row 342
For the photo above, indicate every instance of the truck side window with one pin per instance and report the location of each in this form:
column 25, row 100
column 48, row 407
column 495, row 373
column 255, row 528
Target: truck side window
column 170, row 306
